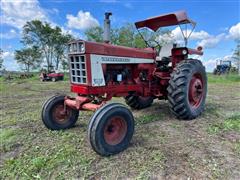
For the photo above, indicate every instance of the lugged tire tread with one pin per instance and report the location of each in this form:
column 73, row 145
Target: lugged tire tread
column 177, row 85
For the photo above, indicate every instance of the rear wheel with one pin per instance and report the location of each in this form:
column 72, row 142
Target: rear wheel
column 54, row 79
column 138, row 102
column 187, row 89
column 55, row 117
column 110, row 129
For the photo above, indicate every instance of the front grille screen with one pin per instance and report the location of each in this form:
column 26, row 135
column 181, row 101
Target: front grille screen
column 78, row 69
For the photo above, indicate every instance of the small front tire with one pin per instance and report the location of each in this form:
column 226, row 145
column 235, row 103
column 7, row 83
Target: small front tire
column 110, row 129
column 55, row 117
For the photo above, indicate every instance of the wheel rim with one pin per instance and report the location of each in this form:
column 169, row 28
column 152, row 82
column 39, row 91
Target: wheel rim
column 196, row 89
column 60, row 115
column 115, row 130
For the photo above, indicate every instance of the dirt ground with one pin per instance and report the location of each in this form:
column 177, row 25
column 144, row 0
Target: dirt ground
column 162, row 147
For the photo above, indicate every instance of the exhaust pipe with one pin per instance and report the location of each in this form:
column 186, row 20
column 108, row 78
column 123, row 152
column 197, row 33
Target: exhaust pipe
column 106, row 33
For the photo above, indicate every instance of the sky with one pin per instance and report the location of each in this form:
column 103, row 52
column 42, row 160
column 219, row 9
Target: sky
column 218, row 22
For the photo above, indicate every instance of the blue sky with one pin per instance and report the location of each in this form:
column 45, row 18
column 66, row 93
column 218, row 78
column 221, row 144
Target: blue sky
column 218, row 22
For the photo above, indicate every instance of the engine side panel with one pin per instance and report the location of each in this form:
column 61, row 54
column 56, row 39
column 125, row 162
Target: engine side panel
column 98, row 60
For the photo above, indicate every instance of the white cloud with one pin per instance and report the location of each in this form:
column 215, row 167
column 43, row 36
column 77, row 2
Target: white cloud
column 204, row 39
column 196, row 35
column 234, row 31
column 9, row 62
column 212, row 41
column 9, row 35
column 11, row 65
column 83, row 21
column 7, row 54
column 209, row 64
column 73, row 33
column 16, row 13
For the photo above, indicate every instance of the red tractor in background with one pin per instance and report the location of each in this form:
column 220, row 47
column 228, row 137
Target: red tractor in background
column 52, row 76
column 100, row 71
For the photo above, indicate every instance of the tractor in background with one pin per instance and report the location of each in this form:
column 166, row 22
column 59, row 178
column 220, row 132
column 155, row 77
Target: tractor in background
column 51, row 76
column 223, row 67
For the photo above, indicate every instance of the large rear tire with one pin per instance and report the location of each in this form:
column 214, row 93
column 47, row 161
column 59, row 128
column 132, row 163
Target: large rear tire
column 187, row 89
column 138, row 102
column 55, row 117
column 110, row 129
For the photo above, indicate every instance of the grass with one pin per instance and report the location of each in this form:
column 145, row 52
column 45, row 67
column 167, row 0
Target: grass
column 224, row 79
column 148, row 118
column 30, row 151
column 237, row 148
column 231, row 123
column 8, row 138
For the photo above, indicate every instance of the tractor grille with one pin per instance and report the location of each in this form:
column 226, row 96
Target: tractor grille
column 78, row 69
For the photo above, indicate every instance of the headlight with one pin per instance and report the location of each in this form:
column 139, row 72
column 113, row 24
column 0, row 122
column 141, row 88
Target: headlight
column 81, row 47
column 184, row 52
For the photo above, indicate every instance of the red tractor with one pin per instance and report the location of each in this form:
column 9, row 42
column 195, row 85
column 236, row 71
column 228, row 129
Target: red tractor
column 100, row 71
column 52, row 76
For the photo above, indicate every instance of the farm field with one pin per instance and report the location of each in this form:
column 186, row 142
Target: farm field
column 162, row 146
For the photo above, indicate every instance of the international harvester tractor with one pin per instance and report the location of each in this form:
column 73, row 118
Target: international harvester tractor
column 100, row 71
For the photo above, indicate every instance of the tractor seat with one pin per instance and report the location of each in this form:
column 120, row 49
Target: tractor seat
column 165, row 52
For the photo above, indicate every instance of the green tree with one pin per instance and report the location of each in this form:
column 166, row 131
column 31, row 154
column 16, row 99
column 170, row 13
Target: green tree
column 1, row 58
column 29, row 58
column 51, row 41
column 95, row 34
column 60, row 41
column 126, row 35
column 236, row 55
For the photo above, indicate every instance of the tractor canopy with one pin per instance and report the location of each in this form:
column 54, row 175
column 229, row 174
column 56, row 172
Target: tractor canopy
column 175, row 18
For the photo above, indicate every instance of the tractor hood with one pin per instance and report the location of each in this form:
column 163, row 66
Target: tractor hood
column 112, row 50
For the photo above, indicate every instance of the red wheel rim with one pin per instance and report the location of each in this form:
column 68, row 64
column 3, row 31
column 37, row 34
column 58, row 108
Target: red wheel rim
column 115, row 130
column 60, row 115
column 195, row 92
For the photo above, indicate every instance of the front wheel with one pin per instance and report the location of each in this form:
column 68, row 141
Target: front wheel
column 55, row 117
column 110, row 129
column 187, row 89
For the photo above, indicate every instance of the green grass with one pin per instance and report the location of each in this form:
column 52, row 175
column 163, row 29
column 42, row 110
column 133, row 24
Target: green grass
column 229, row 124
column 224, row 79
column 31, row 151
column 237, row 148
column 8, row 138
column 148, row 118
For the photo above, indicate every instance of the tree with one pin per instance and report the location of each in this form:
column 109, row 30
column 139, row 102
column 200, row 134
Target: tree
column 95, row 34
column 1, row 58
column 60, row 41
column 50, row 41
column 126, row 35
column 30, row 58
column 236, row 55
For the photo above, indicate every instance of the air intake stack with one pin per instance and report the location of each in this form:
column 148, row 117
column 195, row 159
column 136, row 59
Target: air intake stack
column 106, row 34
